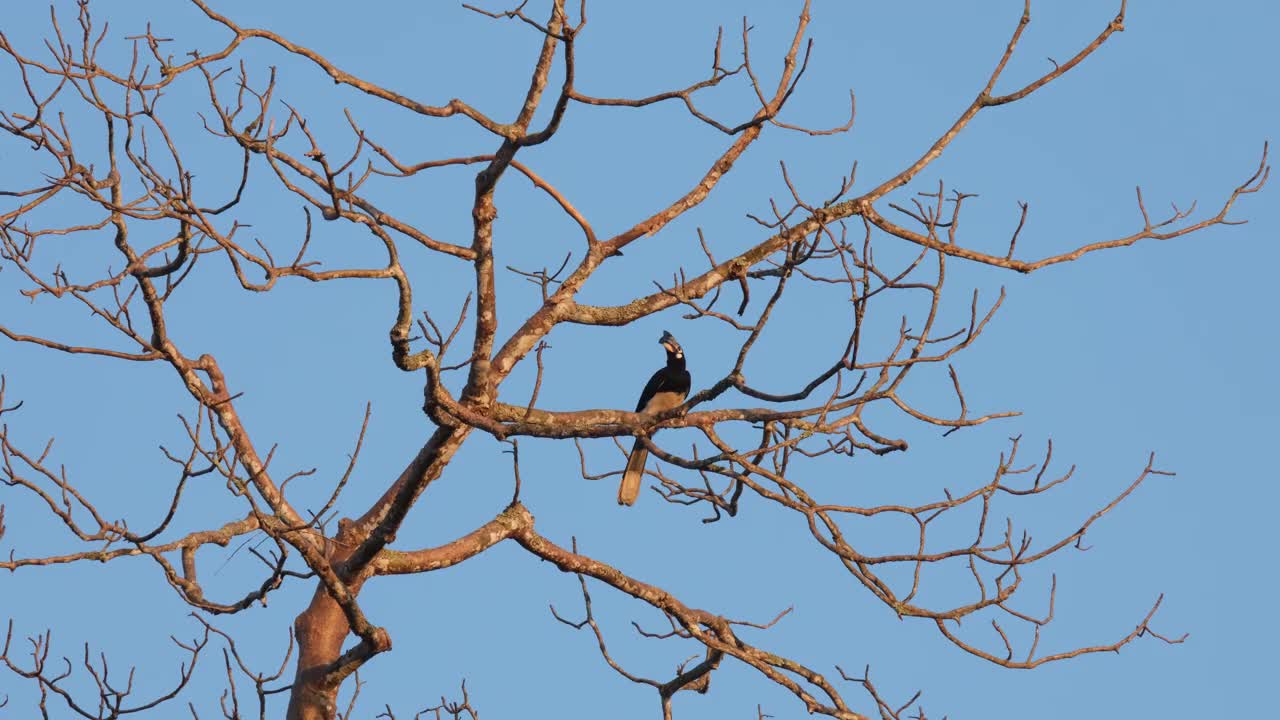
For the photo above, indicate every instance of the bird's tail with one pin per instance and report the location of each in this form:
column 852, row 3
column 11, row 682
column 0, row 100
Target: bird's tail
column 629, row 488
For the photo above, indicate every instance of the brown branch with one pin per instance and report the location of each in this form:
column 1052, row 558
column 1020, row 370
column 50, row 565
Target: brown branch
column 502, row 527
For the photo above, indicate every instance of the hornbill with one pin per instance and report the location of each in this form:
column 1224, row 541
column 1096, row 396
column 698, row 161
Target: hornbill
column 666, row 389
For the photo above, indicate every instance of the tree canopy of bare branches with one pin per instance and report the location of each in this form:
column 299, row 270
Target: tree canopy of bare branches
column 135, row 245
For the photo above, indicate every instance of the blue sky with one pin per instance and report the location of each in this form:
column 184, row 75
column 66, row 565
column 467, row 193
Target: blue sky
column 1164, row 347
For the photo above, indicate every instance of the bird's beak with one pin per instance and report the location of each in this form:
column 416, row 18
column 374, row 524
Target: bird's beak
column 668, row 341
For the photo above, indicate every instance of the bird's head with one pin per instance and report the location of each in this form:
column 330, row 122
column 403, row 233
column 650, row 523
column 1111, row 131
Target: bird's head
column 668, row 341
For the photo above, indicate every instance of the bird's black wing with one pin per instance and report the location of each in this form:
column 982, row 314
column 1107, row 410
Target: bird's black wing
column 666, row 380
column 656, row 384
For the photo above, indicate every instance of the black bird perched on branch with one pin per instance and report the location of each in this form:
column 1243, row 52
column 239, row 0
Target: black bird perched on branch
column 666, row 389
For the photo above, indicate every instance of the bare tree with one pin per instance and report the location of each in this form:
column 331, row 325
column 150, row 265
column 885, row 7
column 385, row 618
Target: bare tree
column 128, row 180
